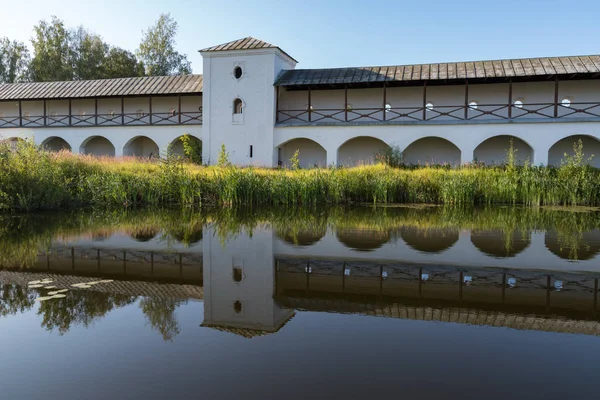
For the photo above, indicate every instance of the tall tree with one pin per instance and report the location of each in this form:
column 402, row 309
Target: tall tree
column 121, row 63
column 52, row 59
column 88, row 53
column 157, row 49
column 14, row 61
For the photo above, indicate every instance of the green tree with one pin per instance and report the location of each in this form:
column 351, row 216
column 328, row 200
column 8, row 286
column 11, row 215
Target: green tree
column 88, row 54
column 295, row 160
column 160, row 313
column 120, row 63
column 223, row 160
column 52, row 60
column 157, row 49
column 14, row 61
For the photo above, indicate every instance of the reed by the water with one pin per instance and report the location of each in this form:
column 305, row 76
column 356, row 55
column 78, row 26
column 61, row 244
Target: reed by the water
column 32, row 179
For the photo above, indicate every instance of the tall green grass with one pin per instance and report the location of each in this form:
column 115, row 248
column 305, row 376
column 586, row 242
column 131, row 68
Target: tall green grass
column 32, row 179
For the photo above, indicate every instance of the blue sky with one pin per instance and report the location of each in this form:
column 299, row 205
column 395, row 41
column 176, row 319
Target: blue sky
column 338, row 33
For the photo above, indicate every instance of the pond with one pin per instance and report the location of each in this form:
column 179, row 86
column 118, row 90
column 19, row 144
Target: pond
column 412, row 302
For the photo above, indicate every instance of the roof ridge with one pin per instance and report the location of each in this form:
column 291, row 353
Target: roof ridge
column 445, row 62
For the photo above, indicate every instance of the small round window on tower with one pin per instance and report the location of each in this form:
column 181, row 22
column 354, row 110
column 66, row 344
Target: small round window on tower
column 237, row 72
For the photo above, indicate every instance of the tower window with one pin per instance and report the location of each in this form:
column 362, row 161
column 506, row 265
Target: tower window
column 237, row 306
column 237, row 72
column 251, row 151
column 237, row 274
column 237, row 106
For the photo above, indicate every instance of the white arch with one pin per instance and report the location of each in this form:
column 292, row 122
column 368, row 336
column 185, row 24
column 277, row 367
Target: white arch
column 493, row 150
column 432, row 150
column 310, row 152
column 591, row 147
column 97, row 146
column 56, row 144
column 141, row 146
column 361, row 150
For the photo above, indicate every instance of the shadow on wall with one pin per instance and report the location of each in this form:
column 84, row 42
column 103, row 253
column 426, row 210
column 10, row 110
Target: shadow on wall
column 98, row 146
column 432, row 151
column 56, row 144
column 591, row 148
column 362, row 150
column 494, row 150
column 310, row 153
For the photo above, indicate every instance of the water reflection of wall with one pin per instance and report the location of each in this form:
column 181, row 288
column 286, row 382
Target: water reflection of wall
column 580, row 246
column 434, row 240
column 522, row 291
column 239, row 282
column 493, row 248
column 497, row 243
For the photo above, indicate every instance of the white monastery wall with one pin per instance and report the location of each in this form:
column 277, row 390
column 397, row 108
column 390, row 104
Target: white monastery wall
column 463, row 252
column 466, row 137
column 119, row 136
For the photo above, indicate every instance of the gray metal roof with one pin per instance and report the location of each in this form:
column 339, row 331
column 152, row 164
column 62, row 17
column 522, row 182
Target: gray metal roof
column 528, row 67
column 247, row 43
column 144, row 86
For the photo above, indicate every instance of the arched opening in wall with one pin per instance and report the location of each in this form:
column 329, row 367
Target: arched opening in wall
column 574, row 246
column 310, row 153
column 362, row 150
column 56, row 144
column 363, row 239
column 97, row 146
column 429, row 240
column 301, row 238
column 500, row 244
column 431, row 151
column 13, row 142
column 494, row 151
column 238, row 106
column 145, row 234
column 188, row 235
column 591, row 146
column 141, row 146
column 194, row 145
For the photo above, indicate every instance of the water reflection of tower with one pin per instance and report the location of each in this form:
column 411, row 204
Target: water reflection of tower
column 238, row 283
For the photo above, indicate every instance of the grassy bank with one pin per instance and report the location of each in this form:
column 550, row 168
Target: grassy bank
column 31, row 179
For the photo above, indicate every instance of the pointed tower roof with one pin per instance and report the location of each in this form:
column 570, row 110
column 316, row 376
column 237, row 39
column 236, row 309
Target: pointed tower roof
column 247, row 43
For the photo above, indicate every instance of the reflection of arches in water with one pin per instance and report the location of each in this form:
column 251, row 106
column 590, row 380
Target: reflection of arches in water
column 429, row 240
column 575, row 245
column 301, row 238
column 145, row 234
column 497, row 243
column 363, row 239
column 188, row 237
column 100, row 236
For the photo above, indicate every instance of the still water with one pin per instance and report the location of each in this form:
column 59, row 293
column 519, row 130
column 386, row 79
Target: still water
column 424, row 302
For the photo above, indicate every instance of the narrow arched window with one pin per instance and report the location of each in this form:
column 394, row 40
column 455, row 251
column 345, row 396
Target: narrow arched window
column 237, row 106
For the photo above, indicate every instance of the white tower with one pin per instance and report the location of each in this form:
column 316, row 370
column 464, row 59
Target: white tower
column 239, row 100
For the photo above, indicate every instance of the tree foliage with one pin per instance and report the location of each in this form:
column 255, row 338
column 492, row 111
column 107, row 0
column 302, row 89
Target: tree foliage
column 62, row 54
column 52, row 52
column 157, row 49
column 14, row 61
column 120, row 63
